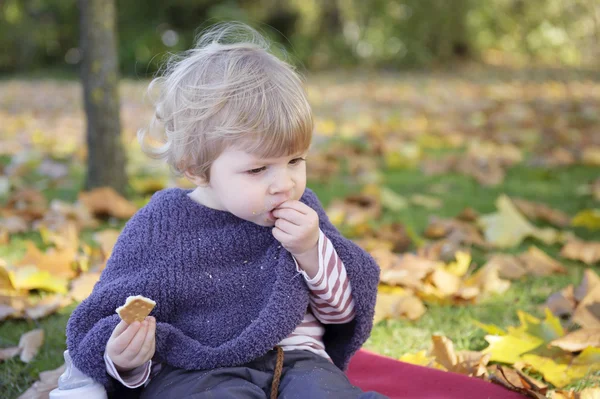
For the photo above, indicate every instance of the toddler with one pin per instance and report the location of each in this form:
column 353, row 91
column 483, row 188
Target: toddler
column 257, row 294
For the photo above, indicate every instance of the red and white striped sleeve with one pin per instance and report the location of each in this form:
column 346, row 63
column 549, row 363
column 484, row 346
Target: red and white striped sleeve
column 331, row 301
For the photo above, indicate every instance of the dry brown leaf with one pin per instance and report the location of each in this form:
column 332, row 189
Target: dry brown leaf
column 48, row 305
column 472, row 363
column 487, row 171
column 539, row 211
column 47, row 382
column 30, row 344
column 517, row 381
column 59, row 262
column 9, row 353
column 488, row 281
column 538, row 263
column 408, row 270
column 28, row 203
column 409, row 307
column 509, row 266
column 443, row 350
column 585, row 251
column 106, row 201
column 588, row 283
column 446, row 282
column 587, row 313
column 82, row 286
column 107, row 239
column 578, row 340
column 455, row 230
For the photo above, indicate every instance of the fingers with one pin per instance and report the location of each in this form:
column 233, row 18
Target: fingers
column 122, row 341
column 147, row 350
column 286, row 226
column 281, row 235
column 136, row 343
column 295, row 205
column 291, row 215
column 122, row 326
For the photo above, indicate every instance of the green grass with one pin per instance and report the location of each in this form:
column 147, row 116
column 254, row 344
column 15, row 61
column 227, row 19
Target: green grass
column 557, row 188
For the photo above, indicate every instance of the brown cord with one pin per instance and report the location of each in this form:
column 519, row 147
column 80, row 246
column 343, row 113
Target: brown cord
column 277, row 373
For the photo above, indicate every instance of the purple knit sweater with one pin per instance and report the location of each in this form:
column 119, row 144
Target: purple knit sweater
column 226, row 290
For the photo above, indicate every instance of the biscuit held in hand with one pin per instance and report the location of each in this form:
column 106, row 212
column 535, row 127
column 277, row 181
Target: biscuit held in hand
column 136, row 308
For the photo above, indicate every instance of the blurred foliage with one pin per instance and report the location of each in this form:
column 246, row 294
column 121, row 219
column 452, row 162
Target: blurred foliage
column 38, row 34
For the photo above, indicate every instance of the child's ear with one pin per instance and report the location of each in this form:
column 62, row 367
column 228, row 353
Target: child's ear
column 197, row 180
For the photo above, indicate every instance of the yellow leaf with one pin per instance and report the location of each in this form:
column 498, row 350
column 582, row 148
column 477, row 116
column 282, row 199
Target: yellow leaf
column 547, row 330
column 489, row 328
column 559, row 374
column 461, row 265
column 508, row 348
column 420, row 358
column 391, row 200
column 589, row 218
column 589, row 355
column 30, row 277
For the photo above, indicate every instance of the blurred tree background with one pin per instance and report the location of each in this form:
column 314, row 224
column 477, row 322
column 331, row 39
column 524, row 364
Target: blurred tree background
column 43, row 34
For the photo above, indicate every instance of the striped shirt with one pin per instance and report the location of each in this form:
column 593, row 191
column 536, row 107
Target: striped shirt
column 330, row 303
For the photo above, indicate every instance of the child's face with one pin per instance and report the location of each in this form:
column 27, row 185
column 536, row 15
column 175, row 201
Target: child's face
column 251, row 187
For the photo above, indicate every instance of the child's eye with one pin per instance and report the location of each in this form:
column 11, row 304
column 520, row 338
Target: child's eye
column 296, row 161
column 256, row 171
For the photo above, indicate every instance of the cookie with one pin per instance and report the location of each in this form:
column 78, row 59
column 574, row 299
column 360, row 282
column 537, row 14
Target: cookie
column 136, row 308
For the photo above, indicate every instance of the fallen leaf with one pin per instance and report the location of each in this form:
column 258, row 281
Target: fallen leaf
column 558, row 373
column 587, row 313
column 578, row 340
column 509, row 266
column 443, row 351
column 488, row 280
column 446, row 282
column 9, row 353
column 57, row 262
column 409, row 307
column 30, row 344
column 588, row 283
column 82, row 286
column 508, row 228
column 107, row 239
column 538, row 263
column 30, row 277
column 588, row 218
column 585, row 251
column 47, row 382
column 48, row 305
column 538, row 211
column 516, row 381
column 508, row 348
column 106, row 201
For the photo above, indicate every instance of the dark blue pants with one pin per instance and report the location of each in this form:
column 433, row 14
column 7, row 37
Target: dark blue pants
column 304, row 375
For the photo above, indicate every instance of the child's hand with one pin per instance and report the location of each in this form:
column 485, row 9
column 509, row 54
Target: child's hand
column 296, row 227
column 131, row 346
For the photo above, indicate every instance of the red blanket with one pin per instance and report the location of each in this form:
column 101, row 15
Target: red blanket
column 372, row 372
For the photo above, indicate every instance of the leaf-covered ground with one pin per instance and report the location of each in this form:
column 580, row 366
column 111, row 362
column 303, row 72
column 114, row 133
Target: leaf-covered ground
column 403, row 150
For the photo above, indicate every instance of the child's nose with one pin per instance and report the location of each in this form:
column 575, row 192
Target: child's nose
column 282, row 184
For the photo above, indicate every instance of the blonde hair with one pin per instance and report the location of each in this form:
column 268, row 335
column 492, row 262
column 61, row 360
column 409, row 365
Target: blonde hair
column 228, row 91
